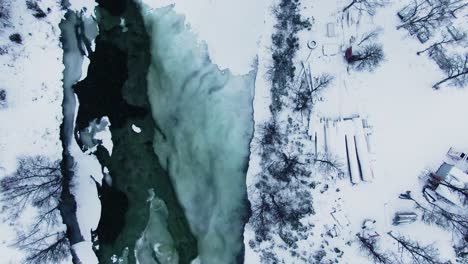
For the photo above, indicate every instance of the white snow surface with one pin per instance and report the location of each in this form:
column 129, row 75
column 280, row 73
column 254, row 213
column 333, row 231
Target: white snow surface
column 87, row 171
column 136, row 129
column 97, row 133
column 30, row 122
column 231, row 29
column 85, row 252
column 31, row 77
column 86, row 6
column 261, row 102
column 413, row 126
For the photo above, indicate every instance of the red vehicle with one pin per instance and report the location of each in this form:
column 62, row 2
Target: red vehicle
column 349, row 54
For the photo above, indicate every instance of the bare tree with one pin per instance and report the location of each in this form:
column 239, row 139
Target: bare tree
column 37, row 182
column 455, row 66
column 418, row 253
column 321, row 82
column 269, row 257
column 286, row 167
column 370, row 36
column 278, row 209
column 456, row 70
column 268, row 134
column 5, row 13
column 285, row 44
column 368, row 6
column 302, row 98
column 44, row 248
column 447, row 38
column 435, row 214
column 458, row 222
column 369, row 246
column 260, row 219
column 309, row 89
column 461, row 191
column 461, row 250
column 37, row 11
column 3, row 98
column 367, row 58
column 430, row 15
column 329, row 164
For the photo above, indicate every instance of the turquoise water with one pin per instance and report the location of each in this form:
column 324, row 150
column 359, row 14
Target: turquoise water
column 204, row 125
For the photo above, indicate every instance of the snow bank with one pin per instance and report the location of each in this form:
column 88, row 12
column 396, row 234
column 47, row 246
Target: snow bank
column 87, row 173
column 87, row 170
column 97, row 133
column 262, row 113
column 85, row 252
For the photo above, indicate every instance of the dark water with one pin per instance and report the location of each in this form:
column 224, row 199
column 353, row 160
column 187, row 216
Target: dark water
column 116, row 87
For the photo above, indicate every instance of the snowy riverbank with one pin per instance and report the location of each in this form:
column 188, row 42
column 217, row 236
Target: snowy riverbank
column 31, row 78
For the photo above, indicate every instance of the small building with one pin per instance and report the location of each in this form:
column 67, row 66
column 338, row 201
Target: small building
column 331, row 30
column 407, row 12
column 455, row 33
column 440, row 57
column 459, row 158
column 423, row 35
column 436, row 2
column 404, row 218
column 450, row 175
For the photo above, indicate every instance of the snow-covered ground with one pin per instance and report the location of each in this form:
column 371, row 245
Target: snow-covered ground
column 32, row 115
column 31, row 74
column 413, row 126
